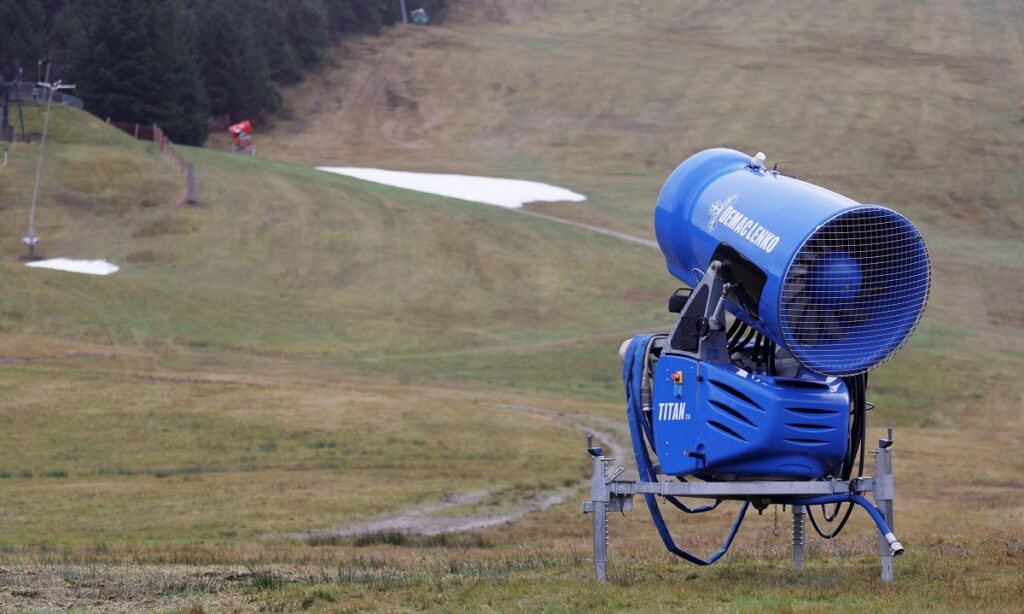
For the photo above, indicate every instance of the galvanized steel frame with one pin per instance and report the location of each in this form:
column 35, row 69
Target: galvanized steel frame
column 609, row 494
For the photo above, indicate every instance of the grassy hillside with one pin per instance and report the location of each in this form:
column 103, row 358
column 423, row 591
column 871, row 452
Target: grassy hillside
column 292, row 337
column 280, row 258
column 917, row 110
column 302, row 351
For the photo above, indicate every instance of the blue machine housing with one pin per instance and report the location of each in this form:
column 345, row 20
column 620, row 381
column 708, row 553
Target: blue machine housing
column 717, row 421
column 841, row 285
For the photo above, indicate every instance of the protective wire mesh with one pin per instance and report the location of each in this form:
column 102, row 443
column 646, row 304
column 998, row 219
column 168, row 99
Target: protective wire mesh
column 855, row 291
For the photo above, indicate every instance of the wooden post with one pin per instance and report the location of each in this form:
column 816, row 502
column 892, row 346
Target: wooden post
column 193, row 196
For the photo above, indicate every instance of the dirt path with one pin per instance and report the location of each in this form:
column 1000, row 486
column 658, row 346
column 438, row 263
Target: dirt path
column 436, row 518
column 597, row 229
column 500, row 347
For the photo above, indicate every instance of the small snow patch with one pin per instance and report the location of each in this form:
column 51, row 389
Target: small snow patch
column 508, row 193
column 89, row 267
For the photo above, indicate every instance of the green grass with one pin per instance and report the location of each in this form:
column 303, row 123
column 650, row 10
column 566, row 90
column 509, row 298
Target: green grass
column 280, row 258
column 233, row 462
column 302, row 351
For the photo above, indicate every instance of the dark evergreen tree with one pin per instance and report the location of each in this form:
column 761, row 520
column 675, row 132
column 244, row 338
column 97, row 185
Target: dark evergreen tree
column 234, row 68
column 115, row 60
column 22, row 34
column 183, row 104
column 175, row 61
column 273, row 38
column 136, row 63
column 360, row 16
column 306, row 24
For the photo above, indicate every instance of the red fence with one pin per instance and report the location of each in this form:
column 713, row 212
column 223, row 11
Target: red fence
column 139, row 131
column 168, row 150
column 152, row 132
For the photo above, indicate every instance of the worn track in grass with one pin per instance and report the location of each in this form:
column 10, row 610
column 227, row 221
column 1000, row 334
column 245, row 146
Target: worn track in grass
column 436, row 518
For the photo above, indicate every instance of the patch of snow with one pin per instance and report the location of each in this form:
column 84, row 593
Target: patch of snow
column 89, row 267
column 508, row 193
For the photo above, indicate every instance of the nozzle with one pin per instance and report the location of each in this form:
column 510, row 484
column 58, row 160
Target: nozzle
column 895, row 546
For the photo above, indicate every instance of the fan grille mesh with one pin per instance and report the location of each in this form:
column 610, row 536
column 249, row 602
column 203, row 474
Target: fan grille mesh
column 855, row 291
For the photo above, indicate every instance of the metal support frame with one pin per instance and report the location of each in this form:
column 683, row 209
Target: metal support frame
column 883, row 492
column 6, row 129
column 608, row 494
column 599, row 507
column 31, row 240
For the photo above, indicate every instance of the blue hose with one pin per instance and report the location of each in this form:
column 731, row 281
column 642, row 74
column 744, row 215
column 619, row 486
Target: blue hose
column 873, row 511
column 640, row 432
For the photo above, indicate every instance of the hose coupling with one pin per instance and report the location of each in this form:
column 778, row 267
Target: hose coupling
column 895, row 546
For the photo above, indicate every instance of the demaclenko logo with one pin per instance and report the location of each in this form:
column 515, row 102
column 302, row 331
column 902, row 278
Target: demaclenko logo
column 722, row 212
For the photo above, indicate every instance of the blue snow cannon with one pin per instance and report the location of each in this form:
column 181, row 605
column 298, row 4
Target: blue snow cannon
column 768, row 406
column 822, row 289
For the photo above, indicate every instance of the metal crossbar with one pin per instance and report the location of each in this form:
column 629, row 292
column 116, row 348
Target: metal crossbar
column 742, row 490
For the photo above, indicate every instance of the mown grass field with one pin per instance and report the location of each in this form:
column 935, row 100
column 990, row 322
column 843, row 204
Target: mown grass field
column 303, row 351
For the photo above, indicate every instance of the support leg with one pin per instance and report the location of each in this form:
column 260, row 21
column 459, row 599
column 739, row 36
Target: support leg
column 600, row 541
column 883, row 495
column 798, row 537
column 599, row 501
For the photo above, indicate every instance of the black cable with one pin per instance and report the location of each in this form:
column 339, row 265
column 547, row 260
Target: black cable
column 853, row 440
column 838, row 529
column 851, row 445
column 755, row 355
column 740, row 344
column 736, row 323
column 739, row 332
column 863, row 421
column 857, row 386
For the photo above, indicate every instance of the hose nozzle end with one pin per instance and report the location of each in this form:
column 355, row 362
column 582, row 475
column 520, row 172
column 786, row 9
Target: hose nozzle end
column 895, row 546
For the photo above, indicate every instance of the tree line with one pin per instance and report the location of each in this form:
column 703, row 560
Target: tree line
column 177, row 62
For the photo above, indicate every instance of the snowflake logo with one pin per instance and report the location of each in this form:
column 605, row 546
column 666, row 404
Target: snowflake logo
column 715, row 210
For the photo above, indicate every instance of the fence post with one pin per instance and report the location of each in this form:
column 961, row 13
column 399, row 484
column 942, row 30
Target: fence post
column 193, row 197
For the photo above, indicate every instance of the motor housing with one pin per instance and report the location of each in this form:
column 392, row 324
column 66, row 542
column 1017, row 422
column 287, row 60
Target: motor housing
column 718, row 422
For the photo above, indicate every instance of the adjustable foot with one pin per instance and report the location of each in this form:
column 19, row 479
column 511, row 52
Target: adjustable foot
column 798, row 537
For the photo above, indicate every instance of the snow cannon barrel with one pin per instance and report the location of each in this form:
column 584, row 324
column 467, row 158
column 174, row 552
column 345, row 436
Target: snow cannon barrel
column 839, row 284
column 242, row 127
